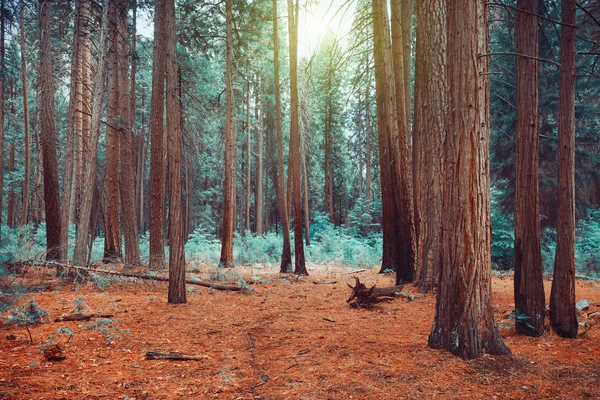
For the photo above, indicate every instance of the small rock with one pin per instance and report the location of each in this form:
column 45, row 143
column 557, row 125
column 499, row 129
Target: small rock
column 583, row 304
column 265, row 377
column 525, row 387
column 11, row 337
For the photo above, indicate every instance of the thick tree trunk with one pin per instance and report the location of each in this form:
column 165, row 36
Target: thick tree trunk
column 430, row 105
column 48, row 134
column 177, row 292
column 464, row 317
column 27, row 134
column 73, row 118
column 294, row 177
column 127, row 142
column 529, row 287
column 562, row 296
column 406, row 12
column 229, row 184
column 259, row 196
column 282, row 201
column 2, row 79
column 157, row 140
column 89, row 182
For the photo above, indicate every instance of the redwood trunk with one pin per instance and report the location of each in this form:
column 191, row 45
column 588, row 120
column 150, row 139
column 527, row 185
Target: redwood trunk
column 10, row 201
column 258, row 198
column 529, row 287
column 562, row 296
column 2, row 79
column 48, row 135
column 464, row 317
column 27, row 134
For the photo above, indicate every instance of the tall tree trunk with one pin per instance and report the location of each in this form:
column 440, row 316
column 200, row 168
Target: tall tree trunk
column 464, row 317
column 529, row 286
column 48, row 134
column 286, row 254
column 2, row 80
column 136, row 138
column 27, row 134
column 176, row 242
column 305, row 207
column 258, row 197
column 229, row 185
column 430, row 108
column 328, row 153
column 406, row 11
column 112, row 220
column 82, row 241
column 10, row 201
column 368, row 140
column 248, row 158
column 37, row 202
column 127, row 142
column 157, row 140
column 73, row 119
column 294, row 176
column 562, row 296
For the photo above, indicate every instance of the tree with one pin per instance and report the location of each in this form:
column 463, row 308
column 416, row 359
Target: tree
column 157, row 142
column 48, row 134
column 2, row 80
column 27, row 135
column 259, row 186
column 529, row 286
column 229, row 185
column 563, row 316
column 176, row 235
column 294, row 167
column 286, row 254
column 430, row 106
column 89, row 181
column 464, row 318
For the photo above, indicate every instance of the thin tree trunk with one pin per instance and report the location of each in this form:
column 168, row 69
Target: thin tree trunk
column 82, row 241
column 258, row 198
column 401, row 169
column 177, row 293
column 282, row 200
column 368, row 140
column 71, row 135
column 139, row 173
column 406, row 11
column 2, row 79
column 562, row 296
column 229, row 185
column 464, row 317
column 27, row 134
column 157, row 140
column 248, row 166
column 529, row 287
column 305, row 207
column 294, row 176
column 48, row 134
column 10, row 201
column 127, row 142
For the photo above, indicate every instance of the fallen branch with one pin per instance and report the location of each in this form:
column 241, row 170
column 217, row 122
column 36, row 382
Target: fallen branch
column 324, row 282
column 172, row 355
column 81, row 317
column 364, row 297
column 196, row 282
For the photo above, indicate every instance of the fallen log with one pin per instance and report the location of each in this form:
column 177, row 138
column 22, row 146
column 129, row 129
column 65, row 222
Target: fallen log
column 364, row 297
column 81, row 317
column 172, row 355
column 324, row 282
column 196, row 282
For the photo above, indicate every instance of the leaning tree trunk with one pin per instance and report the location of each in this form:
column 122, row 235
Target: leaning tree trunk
column 157, row 140
column 562, row 296
column 89, row 182
column 176, row 240
column 529, row 287
column 48, row 134
column 299, row 261
column 229, row 184
column 286, row 254
column 464, row 317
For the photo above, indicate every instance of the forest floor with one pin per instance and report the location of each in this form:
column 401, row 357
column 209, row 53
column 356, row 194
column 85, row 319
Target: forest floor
column 288, row 338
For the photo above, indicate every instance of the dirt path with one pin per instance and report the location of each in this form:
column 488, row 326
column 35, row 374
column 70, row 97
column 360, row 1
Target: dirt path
column 288, row 340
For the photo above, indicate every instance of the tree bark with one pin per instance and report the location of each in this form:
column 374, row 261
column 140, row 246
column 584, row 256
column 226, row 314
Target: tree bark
column 157, row 140
column 10, row 201
column 2, row 79
column 89, row 182
column 406, row 12
column 563, row 317
column 27, row 134
column 48, row 134
column 529, row 286
column 259, row 196
column 430, row 108
column 368, row 140
column 177, row 293
column 248, row 158
column 464, row 317
column 282, row 201
column 127, row 142
column 299, row 261
column 229, row 184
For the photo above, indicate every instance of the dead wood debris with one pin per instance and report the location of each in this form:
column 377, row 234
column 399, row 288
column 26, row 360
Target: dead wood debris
column 364, row 297
column 197, row 282
column 55, row 352
column 324, row 282
column 171, row 356
column 81, row 317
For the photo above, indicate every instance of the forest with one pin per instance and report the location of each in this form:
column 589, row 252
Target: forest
column 299, row 199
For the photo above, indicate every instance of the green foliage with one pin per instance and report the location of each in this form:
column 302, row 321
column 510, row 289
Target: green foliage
column 24, row 316
column 503, row 235
column 109, row 328
column 588, row 245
